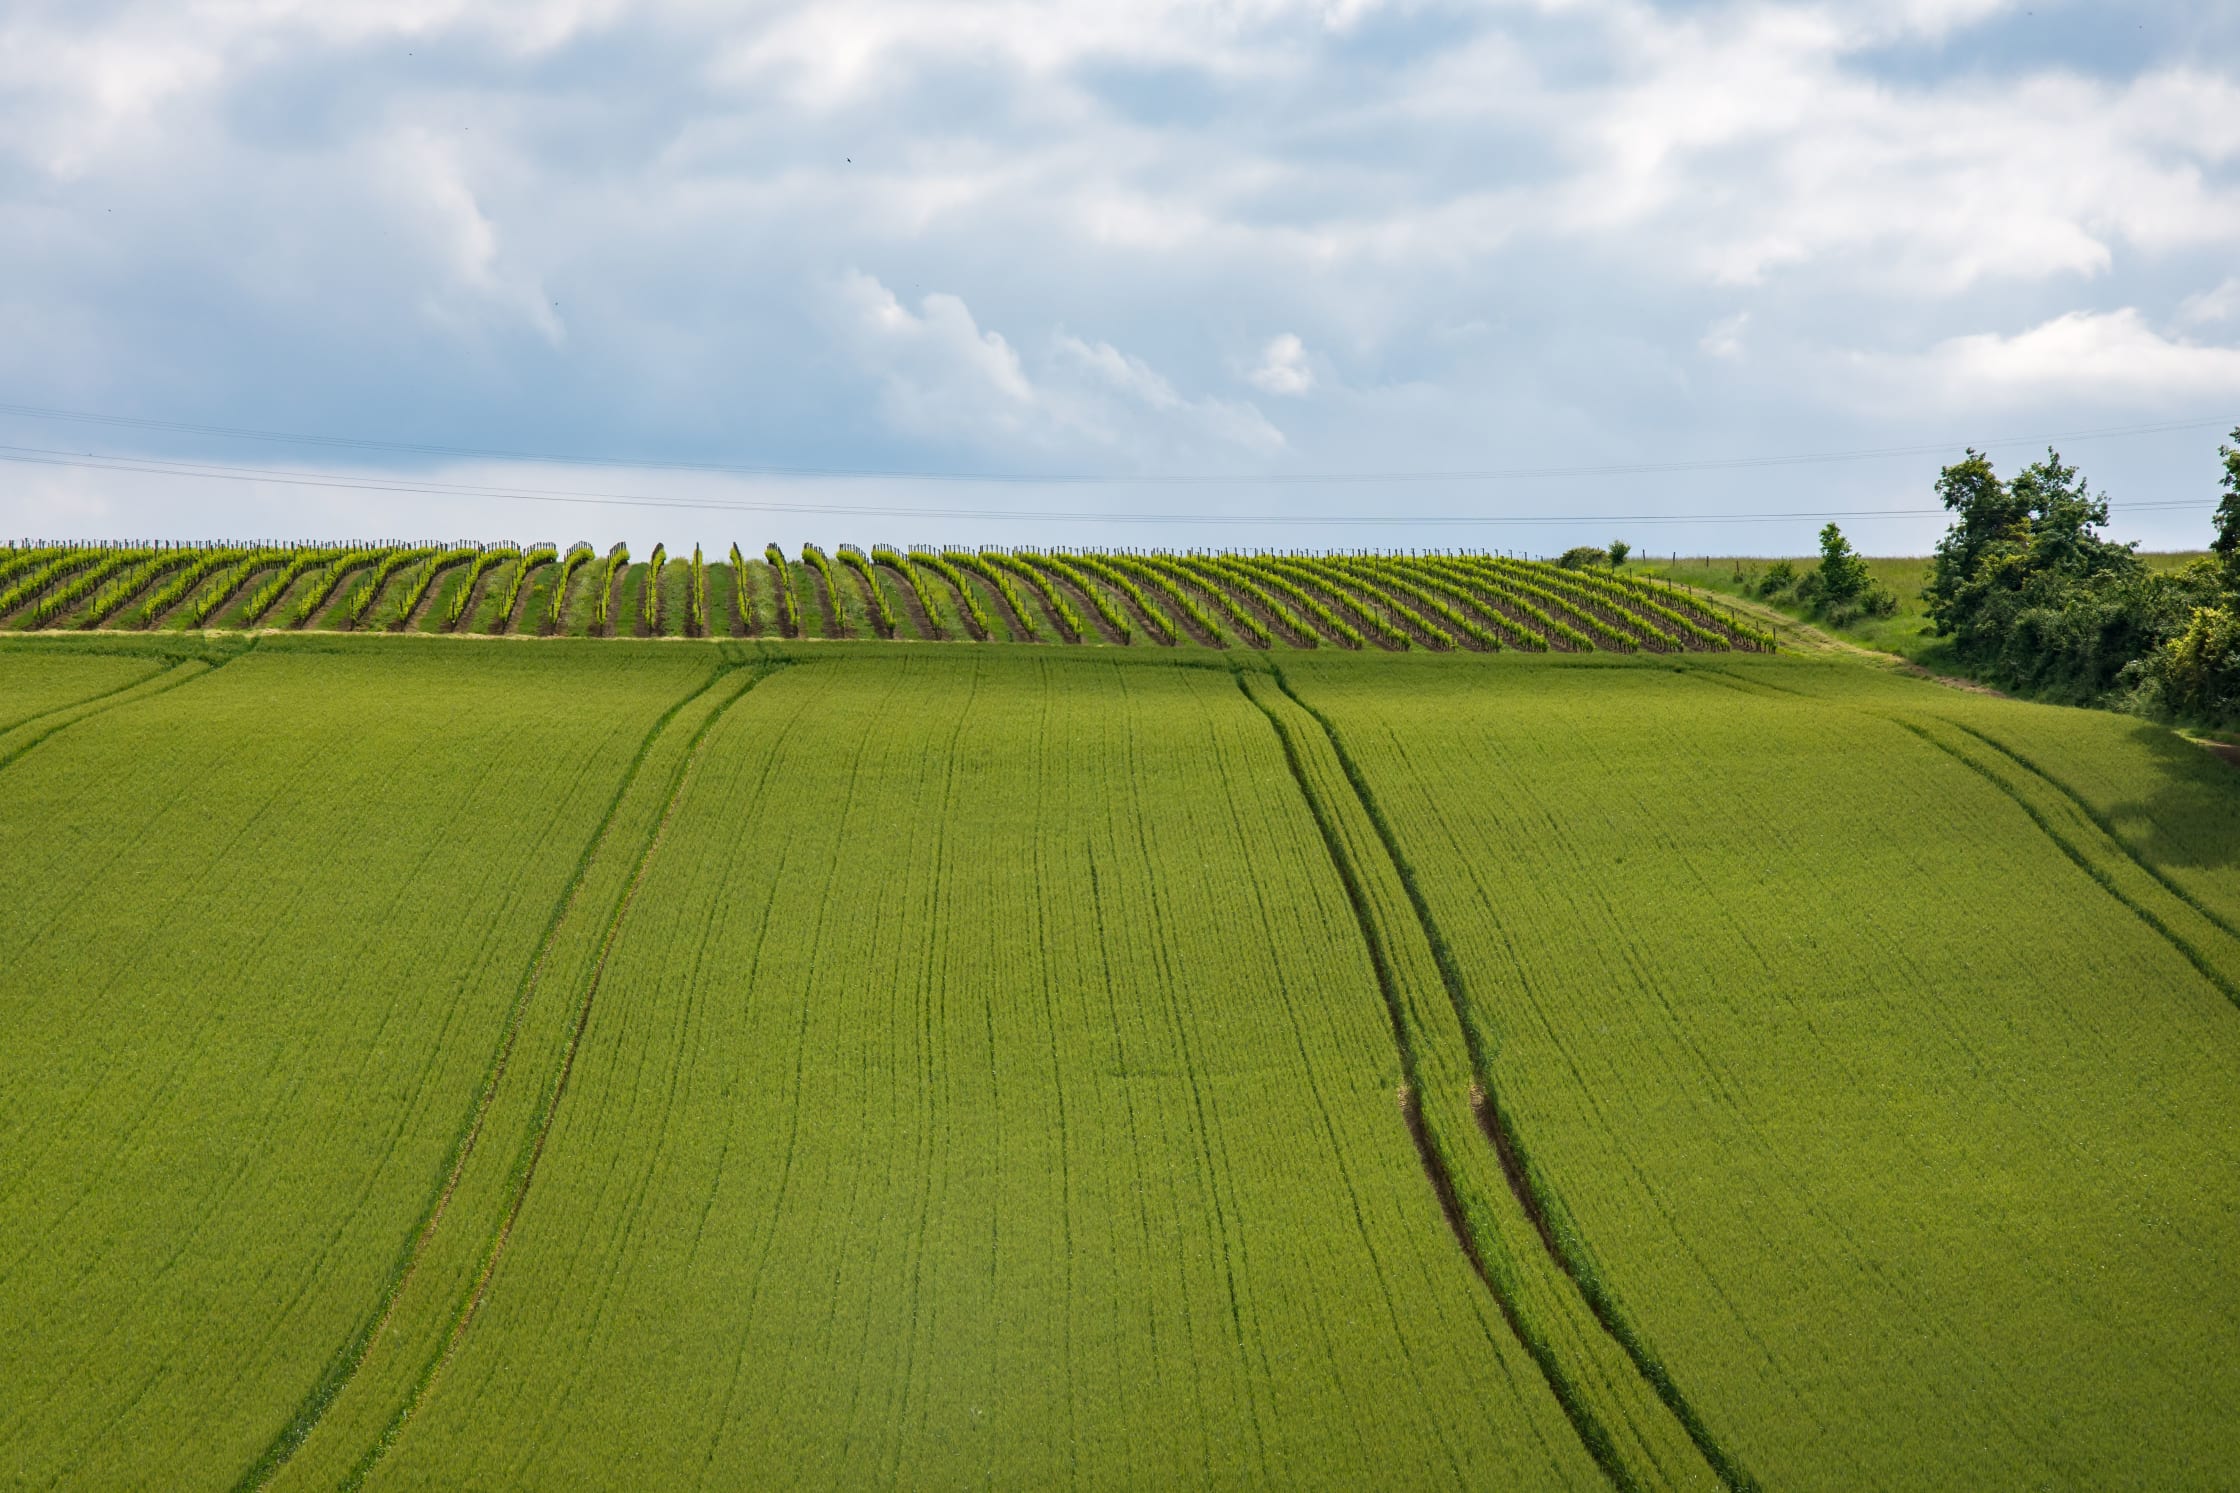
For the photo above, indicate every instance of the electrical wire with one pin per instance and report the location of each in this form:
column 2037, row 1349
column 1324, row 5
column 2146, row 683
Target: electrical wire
column 827, row 473
column 347, row 482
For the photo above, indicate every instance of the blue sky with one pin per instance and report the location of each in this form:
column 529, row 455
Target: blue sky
column 1207, row 262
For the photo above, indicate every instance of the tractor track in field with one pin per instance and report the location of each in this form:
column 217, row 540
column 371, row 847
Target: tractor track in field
column 542, row 1129
column 2177, row 941
column 344, row 1366
column 2074, row 852
column 1592, row 1435
column 1499, row 1131
column 109, row 700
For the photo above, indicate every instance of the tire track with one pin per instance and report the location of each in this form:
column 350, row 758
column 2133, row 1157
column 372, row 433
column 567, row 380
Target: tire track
column 2099, row 874
column 161, row 682
column 533, row 1152
column 343, row 1368
column 1515, row 1163
column 1526, row 1193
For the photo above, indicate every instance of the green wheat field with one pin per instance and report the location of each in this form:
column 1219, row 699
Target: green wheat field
column 485, row 1017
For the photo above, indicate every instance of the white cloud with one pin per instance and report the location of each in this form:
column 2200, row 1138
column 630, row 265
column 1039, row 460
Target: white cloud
column 1283, row 367
column 2219, row 304
column 2110, row 355
column 1723, row 339
column 1509, row 223
column 945, row 377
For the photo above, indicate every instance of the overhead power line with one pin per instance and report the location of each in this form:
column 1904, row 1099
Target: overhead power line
column 353, row 482
column 1109, row 479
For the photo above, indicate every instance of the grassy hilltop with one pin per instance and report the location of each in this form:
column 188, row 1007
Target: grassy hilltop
column 771, row 1063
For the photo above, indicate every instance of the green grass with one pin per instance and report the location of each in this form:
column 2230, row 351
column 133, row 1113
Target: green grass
column 1907, row 632
column 467, row 1062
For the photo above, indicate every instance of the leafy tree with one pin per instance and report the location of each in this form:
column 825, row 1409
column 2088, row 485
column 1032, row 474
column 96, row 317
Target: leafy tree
column 1989, row 514
column 2228, row 507
column 1843, row 570
column 1618, row 551
column 2200, row 667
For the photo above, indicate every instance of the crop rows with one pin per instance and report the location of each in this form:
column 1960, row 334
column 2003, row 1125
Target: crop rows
column 1437, row 602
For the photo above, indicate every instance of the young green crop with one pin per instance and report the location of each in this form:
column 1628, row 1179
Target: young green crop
column 321, row 587
column 969, row 605
column 111, row 596
column 1161, row 625
column 996, row 576
column 742, row 605
column 1225, row 571
column 882, row 607
column 360, row 603
column 894, row 560
column 821, row 564
column 1324, row 583
column 407, row 604
column 1062, row 568
column 696, row 612
column 1146, row 572
column 1481, row 578
column 1268, row 571
column 50, row 568
column 1072, row 628
column 1407, row 582
column 556, row 604
column 602, row 599
column 501, row 617
column 789, row 610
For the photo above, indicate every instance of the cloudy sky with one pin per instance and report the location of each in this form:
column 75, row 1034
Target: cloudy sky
column 1511, row 275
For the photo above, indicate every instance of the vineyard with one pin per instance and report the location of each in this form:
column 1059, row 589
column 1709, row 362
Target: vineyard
column 1434, row 602
column 1228, row 1047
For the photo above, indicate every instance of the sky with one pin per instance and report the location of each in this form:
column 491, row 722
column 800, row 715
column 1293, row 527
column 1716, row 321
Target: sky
column 1258, row 273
